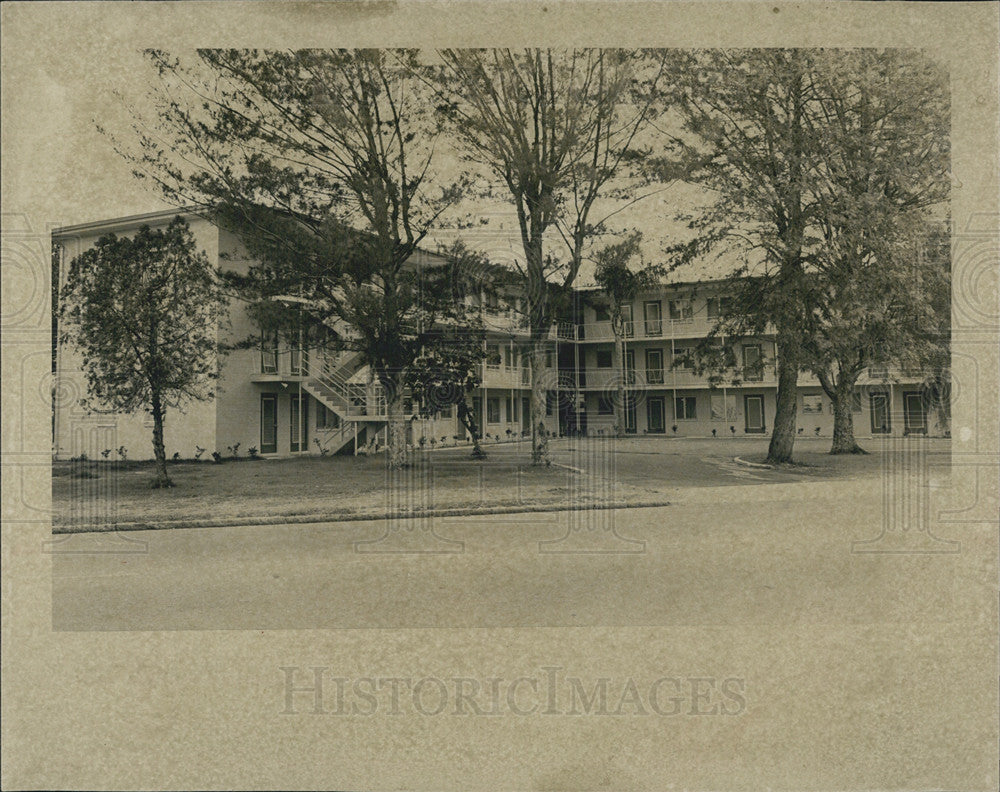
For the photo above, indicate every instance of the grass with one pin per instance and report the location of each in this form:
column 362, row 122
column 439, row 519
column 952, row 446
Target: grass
column 93, row 493
column 89, row 494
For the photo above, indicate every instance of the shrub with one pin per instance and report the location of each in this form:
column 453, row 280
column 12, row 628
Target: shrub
column 176, row 457
column 217, row 457
column 123, row 452
column 732, row 429
column 106, row 453
column 715, row 433
column 198, row 451
column 674, row 428
column 234, row 450
column 253, row 452
column 423, row 441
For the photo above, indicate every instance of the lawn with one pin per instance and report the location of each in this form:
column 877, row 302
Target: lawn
column 586, row 473
column 93, row 493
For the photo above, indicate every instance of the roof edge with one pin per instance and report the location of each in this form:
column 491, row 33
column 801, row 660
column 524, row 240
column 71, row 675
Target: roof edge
column 127, row 220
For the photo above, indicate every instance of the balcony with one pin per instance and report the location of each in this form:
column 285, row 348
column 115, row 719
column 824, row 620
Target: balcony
column 607, row 379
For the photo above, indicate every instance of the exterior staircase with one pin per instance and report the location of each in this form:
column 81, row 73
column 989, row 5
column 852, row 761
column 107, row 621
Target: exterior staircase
column 360, row 406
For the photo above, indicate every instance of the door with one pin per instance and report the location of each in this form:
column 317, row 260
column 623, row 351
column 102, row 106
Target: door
column 652, row 316
column 268, row 423
column 299, row 422
column 630, row 415
column 881, row 421
column 914, row 413
column 654, row 415
column 654, row 366
column 630, row 367
column 753, row 412
column 753, row 370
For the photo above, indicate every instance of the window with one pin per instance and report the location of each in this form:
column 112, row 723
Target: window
column 753, row 364
column 681, row 311
column 268, row 423
column 549, row 359
column 682, row 358
column 653, row 318
column 493, row 410
column 605, row 406
column 446, row 411
column 628, row 325
column 684, row 408
column 601, row 310
column 511, row 410
column 550, row 402
column 719, row 307
column 603, row 358
column 726, row 411
column 299, row 357
column 269, row 352
column 654, row 366
column 812, row 403
column 492, row 301
column 630, row 366
column 508, row 357
column 493, row 356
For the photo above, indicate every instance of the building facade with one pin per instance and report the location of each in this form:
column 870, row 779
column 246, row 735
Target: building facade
column 281, row 400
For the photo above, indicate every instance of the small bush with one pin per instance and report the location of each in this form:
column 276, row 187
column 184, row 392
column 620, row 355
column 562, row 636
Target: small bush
column 176, row 457
column 217, row 457
column 106, row 453
column 234, row 450
column 198, row 451
column 122, row 452
column 253, row 452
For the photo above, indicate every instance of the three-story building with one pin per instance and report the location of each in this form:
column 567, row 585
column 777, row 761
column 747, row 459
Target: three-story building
column 283, row 399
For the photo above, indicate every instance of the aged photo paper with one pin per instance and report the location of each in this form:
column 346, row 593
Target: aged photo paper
column 515, row 528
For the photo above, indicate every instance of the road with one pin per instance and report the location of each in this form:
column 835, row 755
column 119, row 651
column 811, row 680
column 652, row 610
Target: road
column 775, row 555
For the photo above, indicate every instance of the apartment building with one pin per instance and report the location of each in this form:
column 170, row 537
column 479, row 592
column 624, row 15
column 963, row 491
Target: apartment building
column 285, row 400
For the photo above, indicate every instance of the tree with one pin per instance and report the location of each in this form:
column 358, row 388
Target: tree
column 622, row 284
column 748, row 138
column 885, row 167
column 144, row 311
column 553, row 128
column 449, row 365
column 446, row 375
column 321, row 160
column 818, row 161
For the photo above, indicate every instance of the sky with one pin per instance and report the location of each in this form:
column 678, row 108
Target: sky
column 66, row 84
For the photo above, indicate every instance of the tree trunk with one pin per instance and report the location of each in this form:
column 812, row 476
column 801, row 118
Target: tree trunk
column 539, row 435
column 159, row 451
column 620, row 408
column 783, row 434
column 843, row 418
column 395, row 452
column 469, row 422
